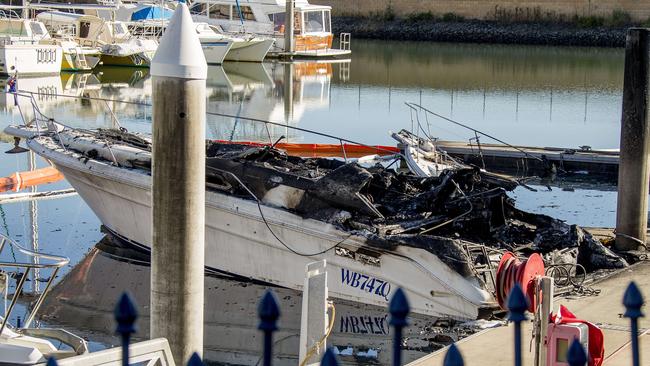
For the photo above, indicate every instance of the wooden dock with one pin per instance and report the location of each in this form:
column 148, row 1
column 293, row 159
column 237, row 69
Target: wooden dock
column 527, row 160
column 494, row 347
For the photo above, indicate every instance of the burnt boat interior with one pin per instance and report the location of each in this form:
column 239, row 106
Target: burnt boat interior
column 464, row 216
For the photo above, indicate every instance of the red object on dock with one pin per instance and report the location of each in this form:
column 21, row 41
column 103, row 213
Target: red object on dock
column 511, row 270
column 323, row 150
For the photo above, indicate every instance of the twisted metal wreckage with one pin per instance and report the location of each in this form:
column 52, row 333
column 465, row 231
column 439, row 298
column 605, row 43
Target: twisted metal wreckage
column 444, row 214
column 373, row 224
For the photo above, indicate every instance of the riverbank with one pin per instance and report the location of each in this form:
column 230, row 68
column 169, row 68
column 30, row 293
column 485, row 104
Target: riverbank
column 480, row 31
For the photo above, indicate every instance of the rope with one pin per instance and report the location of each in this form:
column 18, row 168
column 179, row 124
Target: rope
column 313, row 349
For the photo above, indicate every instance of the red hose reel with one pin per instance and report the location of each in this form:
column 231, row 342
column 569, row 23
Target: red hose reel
column 511, row 270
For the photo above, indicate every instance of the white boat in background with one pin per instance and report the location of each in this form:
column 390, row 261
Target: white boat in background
column 117, row 45
column 266, row 18
column 215, row 46
column 248, row 48
column 24, row 48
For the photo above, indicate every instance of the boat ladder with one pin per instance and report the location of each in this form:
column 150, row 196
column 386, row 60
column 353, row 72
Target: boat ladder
column 344, row 41
column 481, row 264
column 81, row 59
column 83, row 78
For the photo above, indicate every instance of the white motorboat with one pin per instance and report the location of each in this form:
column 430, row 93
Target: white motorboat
column 248, row 48
column 24, row 49
column 271, row 242
column 266, row 18
column 117, row 45
column 24, row 345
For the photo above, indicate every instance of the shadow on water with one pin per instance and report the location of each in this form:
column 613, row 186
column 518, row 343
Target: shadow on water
column 83, row 302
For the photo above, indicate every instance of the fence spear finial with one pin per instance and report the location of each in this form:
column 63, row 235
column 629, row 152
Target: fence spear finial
column 269, row 312
column 399, row 309
column 453, row 357
column 517, row 306
column 633, row 301
column 329, row 358
column 576, row 356
column 195, row 360
column 125, row 316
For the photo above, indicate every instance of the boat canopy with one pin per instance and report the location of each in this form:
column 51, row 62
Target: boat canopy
column 151, row 12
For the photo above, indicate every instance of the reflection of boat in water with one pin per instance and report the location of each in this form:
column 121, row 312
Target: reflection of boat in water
column 279, row 92
column 83, row 301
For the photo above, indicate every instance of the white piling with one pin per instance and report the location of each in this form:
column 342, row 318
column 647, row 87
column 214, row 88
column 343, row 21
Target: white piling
column 314, row 319
column 179, row 72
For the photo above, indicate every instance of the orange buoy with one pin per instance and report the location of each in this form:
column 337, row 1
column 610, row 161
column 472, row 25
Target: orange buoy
column 511, row 270
column 20, row 180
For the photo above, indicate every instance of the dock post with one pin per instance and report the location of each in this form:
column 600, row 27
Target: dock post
column 288, row 27
column 632, row 205
column 313, row 319
column 179, row 72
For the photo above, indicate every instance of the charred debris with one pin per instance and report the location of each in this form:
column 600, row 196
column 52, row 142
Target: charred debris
column 449, row 215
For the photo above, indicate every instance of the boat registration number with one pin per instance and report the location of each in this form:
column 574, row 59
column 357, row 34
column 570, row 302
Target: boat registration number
column 366, row 283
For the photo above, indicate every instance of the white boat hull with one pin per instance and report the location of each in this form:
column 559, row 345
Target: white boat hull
column 239, row 242
column 249, row 51
column 30, row 59
column 215, row 51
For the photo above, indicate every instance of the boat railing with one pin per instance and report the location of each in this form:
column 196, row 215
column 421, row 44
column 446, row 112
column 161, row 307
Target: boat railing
column 45, row 123
column 9, row 14
column 38, row 261
column 418, row 108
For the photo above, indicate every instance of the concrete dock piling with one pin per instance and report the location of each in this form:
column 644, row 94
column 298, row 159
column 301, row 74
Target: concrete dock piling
column 632, row 206
column 179, row 73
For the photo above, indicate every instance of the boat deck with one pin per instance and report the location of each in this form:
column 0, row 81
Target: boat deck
column 522, row 159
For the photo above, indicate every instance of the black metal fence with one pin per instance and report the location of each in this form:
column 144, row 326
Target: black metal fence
column 269, row 312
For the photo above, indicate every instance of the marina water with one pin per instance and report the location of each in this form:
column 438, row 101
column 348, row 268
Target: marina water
column 533, row 96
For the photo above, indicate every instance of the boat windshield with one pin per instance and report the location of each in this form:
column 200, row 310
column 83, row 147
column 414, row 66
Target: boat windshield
column 119, row 29
column 38, row 29
column 317, row 21
column 9, row 28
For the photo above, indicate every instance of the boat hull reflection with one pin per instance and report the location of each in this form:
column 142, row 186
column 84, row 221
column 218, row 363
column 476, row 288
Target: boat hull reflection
column 84, row 299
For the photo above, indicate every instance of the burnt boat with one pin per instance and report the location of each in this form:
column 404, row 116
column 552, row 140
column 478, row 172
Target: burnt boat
column 269, row 214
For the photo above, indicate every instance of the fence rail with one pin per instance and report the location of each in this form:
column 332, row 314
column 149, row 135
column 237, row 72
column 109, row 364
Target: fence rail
column 269, row 312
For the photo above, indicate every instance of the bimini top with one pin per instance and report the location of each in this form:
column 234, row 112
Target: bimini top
column 151, row 12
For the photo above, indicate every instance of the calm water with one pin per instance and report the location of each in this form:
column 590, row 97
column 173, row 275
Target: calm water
column 535, row 96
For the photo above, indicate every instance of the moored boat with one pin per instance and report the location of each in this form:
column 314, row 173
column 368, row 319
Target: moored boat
column 24, row 48
column 313, row 35
column 117, row 45
column 271, row 243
